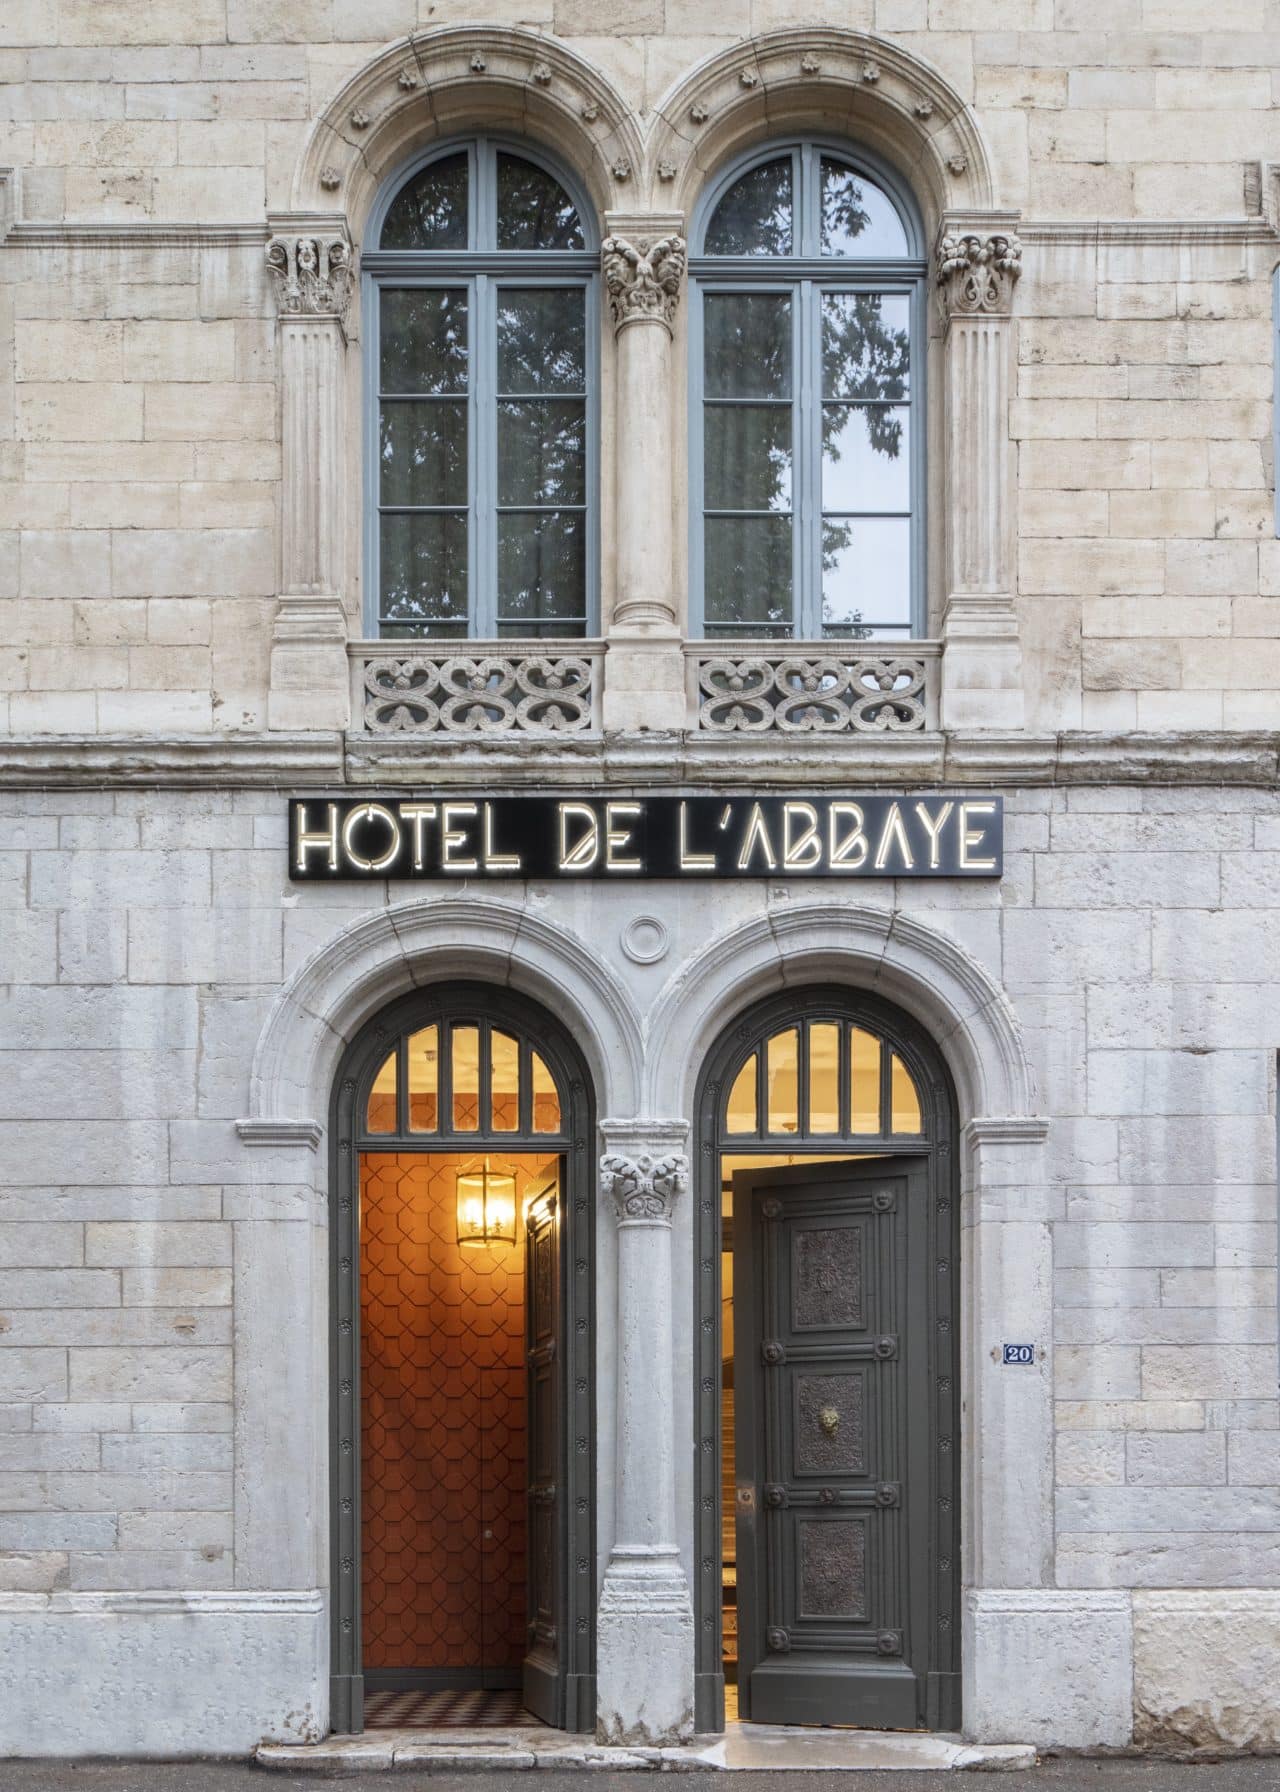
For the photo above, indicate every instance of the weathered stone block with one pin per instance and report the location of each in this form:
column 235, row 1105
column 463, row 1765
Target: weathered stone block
column 180, row 1245
column 1082, row 1643
column 1204, row 1669
column 156, row 1374
column 1176, row 1459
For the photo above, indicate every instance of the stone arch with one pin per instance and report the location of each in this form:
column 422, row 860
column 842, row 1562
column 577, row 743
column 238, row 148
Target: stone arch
column 380, row 956
column 821, row 78
column 930, row 976
column 459, row 79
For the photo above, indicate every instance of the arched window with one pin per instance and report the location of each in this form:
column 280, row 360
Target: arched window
column 808, row 366
column 481, row 344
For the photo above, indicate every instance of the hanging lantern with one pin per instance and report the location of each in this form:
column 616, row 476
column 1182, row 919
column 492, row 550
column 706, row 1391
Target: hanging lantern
column 486, row 1207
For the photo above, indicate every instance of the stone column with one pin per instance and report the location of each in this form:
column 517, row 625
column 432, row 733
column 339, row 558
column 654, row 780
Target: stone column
column 644, row 1645
column 978, row 264
column 311, row 261
column 643, row 261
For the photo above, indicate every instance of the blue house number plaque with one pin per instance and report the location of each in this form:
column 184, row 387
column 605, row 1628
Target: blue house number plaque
column 1019, row 1353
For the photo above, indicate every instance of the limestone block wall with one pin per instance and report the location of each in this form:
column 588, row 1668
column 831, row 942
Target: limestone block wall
column 139, row 388
column 162, row 1284
column 141, row 476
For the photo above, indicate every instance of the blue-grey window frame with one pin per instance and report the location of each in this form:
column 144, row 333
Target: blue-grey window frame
column 471, row 267
column 758, row 273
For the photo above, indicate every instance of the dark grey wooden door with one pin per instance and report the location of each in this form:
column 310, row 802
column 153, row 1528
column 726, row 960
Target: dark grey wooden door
column 543, row 1676
column 834, row 1499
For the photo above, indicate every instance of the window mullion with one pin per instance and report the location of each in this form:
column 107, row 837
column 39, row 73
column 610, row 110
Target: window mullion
column 808, row 427
column 484, row 411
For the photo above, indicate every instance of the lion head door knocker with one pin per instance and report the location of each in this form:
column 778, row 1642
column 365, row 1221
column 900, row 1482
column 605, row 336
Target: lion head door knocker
column 829, row 1419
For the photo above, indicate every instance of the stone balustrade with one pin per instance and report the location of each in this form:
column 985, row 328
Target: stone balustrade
column 477, row 687
column 472, row 688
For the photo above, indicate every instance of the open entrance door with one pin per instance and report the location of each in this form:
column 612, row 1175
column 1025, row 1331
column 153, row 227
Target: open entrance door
column 462, row 1239
column 834, row 1494
column 542, row 1671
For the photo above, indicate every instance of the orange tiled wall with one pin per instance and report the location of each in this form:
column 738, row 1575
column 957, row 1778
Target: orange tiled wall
column 443, row 1422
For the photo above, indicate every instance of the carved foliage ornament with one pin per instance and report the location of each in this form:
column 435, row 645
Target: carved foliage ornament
column 977, row 274
column 312, row 275
column 643, row 278
column 644, row 1187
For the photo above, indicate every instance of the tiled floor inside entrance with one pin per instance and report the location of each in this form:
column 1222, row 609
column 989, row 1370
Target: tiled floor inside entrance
column 454, row 1710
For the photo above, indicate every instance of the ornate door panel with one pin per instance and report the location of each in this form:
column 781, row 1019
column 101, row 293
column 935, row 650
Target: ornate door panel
column 835, row 1490
column 544, row 1692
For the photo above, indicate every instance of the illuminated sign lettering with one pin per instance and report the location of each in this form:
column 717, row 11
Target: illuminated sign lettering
column 694, row 837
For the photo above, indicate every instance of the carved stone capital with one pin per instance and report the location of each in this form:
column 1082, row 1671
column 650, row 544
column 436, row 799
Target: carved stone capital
column 644, row 1188
column 977, row 273
column 643, row 278
column 313, row 273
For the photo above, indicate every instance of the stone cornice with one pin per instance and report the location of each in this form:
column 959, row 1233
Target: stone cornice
column 655, row 760
column 147, row 233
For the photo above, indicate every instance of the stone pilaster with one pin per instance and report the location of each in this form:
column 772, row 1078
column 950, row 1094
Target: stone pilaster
column 312, row 262
column 978, row 263
column 644, row 1642
column 643, row 261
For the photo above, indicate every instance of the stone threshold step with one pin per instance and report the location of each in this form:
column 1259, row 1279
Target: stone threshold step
column 743, row 1748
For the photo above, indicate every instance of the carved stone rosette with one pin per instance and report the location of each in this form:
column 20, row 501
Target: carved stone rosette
column 643, row 278
column 312, row 274
column 644, row 1188
column 977, row 274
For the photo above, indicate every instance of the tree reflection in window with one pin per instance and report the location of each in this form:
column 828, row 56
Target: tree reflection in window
column 807, row 440
column 483, row 483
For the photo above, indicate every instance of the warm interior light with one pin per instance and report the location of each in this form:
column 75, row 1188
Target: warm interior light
column 486, row 1207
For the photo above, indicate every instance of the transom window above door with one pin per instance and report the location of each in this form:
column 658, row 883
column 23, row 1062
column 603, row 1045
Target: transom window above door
column 480, row 323
column 808, row 367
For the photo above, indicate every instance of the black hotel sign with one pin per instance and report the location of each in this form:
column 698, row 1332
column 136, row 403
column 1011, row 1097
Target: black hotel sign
column 645, row 836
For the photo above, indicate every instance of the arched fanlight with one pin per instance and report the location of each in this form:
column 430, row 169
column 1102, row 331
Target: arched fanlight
column 486, row 1207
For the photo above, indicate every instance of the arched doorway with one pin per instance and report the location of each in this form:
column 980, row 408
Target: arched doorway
column 462, row 1350
column 828, row 1349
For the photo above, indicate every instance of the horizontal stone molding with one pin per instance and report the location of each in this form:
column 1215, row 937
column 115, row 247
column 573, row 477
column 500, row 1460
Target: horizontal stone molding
column 1147, row 231
column 664, row 760
column 280, row 1133
column 175, row 1602
column 142, row 234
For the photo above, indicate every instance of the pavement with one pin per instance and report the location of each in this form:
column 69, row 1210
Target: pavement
column 1070, row 1775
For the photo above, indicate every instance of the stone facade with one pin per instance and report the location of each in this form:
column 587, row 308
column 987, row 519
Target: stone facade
column 180, row 528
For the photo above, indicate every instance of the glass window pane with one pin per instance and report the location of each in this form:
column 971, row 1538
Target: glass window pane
column 430, row 210
column 423, row 452
column 424, row 570
column 424, row 1080
column 754, row 217
column 747, row 582
column 748, row 345
column 464, row 1046
column 504, row 1081
column 534, row 211
column 542, row 340
column 542, row 451
column 824, row 1077
column 866, row 345
column 381, row 1114
column 542, row 566
column 904, row 1100
column 864, row 1081
column 857, row 218
column 782, row 1069
column 423, row 342
column 866, row 575
column 747, row 456
column 866, row 458
column 546, row 1097
column 740, row 1115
